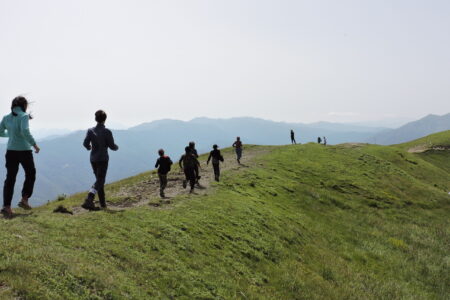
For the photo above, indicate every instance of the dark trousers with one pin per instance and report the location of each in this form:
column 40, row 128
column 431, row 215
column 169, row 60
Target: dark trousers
column 190, row 176
column 196, row 172
column 13, row 159
column 216, row 167
column 100, row 169
column 238, row 153
column 162, row 182
column 293, row 140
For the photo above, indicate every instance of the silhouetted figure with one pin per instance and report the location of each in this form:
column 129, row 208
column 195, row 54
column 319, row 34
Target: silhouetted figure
column 197, row 171
column 324, row 141
column 188, row 162
column 238, row 148
column 293, row 137
column 216, row 159
column 319, row 140
column 15, row 126
column 163, row 164
column 98, row 139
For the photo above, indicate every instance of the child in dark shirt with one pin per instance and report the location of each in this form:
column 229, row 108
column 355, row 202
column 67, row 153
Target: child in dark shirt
column 163, row 164
column 98, row 140
column 216, row 159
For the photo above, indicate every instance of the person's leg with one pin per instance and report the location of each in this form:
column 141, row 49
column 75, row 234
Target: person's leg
column 12, row 167
column 102, row 169
column 27, row 162
column 186, row 176
column 89, row 201
column 162, row 183
column 191, row 178
column 239, row 154
column 216, row 171
column 197, row 174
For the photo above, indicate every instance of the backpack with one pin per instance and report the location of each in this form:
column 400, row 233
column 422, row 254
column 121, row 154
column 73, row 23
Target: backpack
column 189, row 160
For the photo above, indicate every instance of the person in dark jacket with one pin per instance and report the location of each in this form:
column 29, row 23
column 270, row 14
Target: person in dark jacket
column 293, row 137
column 15, row 126
column 196, row 170
column 188, row 162
column 216, row 159
column 163, row 164
column 319, row 140
column 237, row 145
column 98, row 140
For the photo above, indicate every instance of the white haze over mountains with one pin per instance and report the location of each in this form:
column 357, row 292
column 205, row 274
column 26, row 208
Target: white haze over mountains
column 283, row 60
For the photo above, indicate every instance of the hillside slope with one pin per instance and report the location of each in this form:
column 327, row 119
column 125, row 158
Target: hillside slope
column 296, row 222
column 428, row 125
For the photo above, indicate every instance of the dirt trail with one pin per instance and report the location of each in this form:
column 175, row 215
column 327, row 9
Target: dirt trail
column 146, row 191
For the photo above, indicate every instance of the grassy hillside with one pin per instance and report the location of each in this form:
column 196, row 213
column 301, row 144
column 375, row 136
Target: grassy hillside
column 302, row 222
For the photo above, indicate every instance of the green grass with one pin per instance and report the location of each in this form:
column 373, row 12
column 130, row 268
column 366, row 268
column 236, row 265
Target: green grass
column 309, row 222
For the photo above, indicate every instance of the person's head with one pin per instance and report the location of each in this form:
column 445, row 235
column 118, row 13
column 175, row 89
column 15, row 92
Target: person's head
column 238, row 138
column 215, row 147
column 100, row 116
column 187, row 150
column 192, row 145
column 161, row 152
column 20, row 101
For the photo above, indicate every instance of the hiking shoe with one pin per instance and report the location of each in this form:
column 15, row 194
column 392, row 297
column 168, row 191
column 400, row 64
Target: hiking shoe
column 191, row 191
column 184, row 184
column 24, row 205
column 89, row 205
column 7, row 212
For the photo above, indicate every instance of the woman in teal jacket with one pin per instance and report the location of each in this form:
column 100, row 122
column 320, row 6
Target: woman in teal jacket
column 20, row 141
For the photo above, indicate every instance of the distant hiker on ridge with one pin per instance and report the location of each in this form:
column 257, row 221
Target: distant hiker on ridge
column 216, row 159
column 187, row 163
column 164, row 163
column 319, row 140
column 238, row 148
column 197, row 172
column 293, row 137
column 98, row 140
column 15, row 127
column 324, row 141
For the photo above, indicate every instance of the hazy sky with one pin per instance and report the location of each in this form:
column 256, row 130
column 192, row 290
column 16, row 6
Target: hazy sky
column 297, row 61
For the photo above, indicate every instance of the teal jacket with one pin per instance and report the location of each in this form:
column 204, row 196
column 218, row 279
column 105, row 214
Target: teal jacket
column 16, row 128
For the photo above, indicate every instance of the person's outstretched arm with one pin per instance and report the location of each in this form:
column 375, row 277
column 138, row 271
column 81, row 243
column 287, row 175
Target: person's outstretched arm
column 157, row 163
column 110, row 142
column 3, row 132
column 234, row 144
column 87, row 141
column 209, row 158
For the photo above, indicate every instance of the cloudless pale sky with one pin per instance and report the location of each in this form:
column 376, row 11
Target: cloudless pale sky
column 296, row 61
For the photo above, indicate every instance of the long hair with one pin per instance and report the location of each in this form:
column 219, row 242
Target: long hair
column 22, row 102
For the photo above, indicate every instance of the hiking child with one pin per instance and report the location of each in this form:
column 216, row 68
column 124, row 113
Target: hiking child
column 216, row 159
column 187, row 163
column 194, row 152
column 319, row 140
column 293, row 137
column 237, row 145
column 15, row 126
column 98, row 140
column 163, row 164
column 324, row 141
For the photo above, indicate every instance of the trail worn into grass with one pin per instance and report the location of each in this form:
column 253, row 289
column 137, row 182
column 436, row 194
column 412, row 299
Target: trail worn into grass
column 146, row 190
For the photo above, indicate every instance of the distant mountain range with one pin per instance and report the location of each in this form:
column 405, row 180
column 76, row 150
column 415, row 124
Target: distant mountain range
column 411, row 131
column 63, row 164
